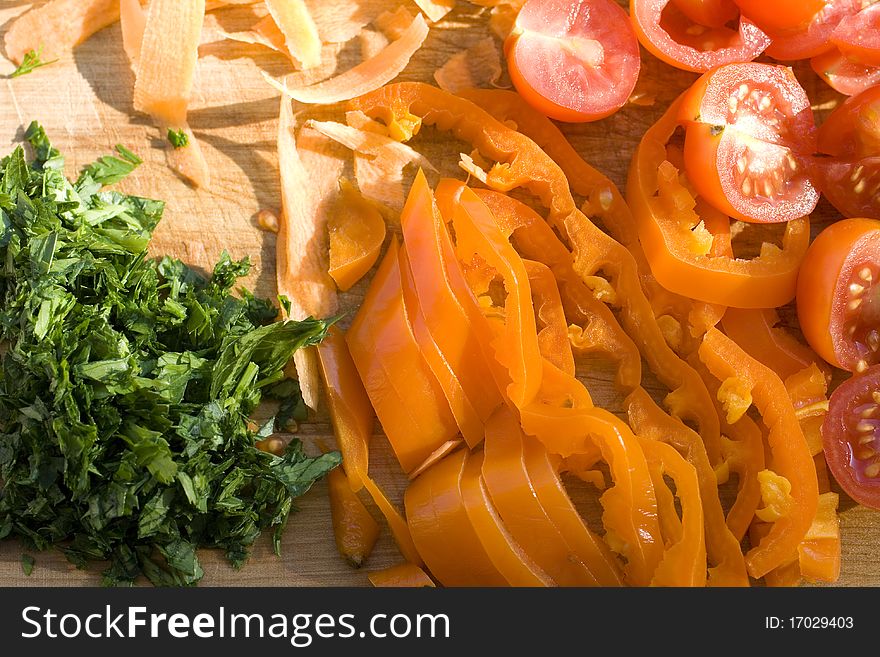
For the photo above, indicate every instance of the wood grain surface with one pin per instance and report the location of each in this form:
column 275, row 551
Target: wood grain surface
column 85, row 103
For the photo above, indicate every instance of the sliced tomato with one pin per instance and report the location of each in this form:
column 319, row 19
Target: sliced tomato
column 838, row 294
column 815, row 38
column 851, row 437
column 665, row 30
column 845, row 76
column 858, row 36
column 749, row 131
column 851, row 134
column 573, row 61
column 780, row 16
column 711, row 13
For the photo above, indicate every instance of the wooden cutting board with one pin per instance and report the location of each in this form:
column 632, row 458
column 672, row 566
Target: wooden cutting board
column 84, row 102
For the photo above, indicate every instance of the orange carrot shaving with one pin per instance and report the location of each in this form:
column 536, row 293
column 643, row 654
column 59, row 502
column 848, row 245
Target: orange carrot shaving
column 299, row 30
column 393, row 23
column 478, row 66
column 338, row 22
column 133, row 21
column 435, row 9
column 264, row 33
column 301, row 253
column 58, row 26
column 366, row 76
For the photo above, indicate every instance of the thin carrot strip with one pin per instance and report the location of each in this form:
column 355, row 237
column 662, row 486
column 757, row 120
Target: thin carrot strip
column 299, row 30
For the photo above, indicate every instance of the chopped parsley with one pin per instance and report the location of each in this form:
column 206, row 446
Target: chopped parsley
column 178, row 138
column 31, row 62
column 127, row 383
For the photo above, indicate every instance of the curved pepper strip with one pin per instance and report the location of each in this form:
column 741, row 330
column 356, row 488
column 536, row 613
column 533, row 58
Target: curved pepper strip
column 791, row 455
column 521, row 163
column 742, row 445
column 351, row 416
column 552, row 329
column 650, row 422
column 513, row 495
column 402, row 389
column 597, row 330
column 677, row 242
column 550, row 491
column 404, row 575
column 441, row 529
column 684, row 561
column 517, row 567
column 603, row 200
column 440, row 322
column 755, row 331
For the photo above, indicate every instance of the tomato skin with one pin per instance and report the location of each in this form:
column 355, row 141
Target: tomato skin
column 858, row 36
column 844, row 76
column 665, row 31
column 821, row 287
column 780, row 16
column 573, row 62
column 840, row 453
column 749, row 130
column 711, row 13
column 853, row 129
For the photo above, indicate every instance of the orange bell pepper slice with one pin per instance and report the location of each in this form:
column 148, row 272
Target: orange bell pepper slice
column 603, row 201
column 649, row 422
column 441, row 529
column 402, row 389
column 756, row 332
column 432, row 285
column 521, row 163
column 684, row 560
column 515, row 565
column 512, row 493
column 552, row 327
column 598, row 331
column 678, row 243
column 791, row 456
column 404, row 575
column 356, row 230
column 354, row 529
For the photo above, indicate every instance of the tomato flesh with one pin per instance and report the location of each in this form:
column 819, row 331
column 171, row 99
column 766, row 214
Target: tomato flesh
column 749, row 130
column 845, row 76
column 710, row 13
column 780, row 16
column 851, row 134
column 851, row 437
column 815, row 38
column 665, row 30
column 573, row 61
column 858, row 36
column 838, row 294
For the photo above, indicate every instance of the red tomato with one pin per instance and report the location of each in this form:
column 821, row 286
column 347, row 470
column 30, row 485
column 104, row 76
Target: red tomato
column 711, row 13
column 843, row 75
column 573, row 61
column 749, row 130
column 780, row 16
column 838, row 294
column 851, row 437
column 850, row 179
column 815, row 38
column 667, row 32
column 858, row 36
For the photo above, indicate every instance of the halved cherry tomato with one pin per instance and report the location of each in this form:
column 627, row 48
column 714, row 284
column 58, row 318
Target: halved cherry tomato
column 845, row 76
column 815, row 38
column 838, row 296
column 851, row 437
column 573, row 61
column 858, row 36
column 851, row 134
column 780, row 16
column 748, row 128
column 665, row 30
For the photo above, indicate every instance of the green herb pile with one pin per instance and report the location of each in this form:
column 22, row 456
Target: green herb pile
column 127, row 383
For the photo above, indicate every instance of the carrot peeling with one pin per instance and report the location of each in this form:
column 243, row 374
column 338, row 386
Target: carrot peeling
column 478, row 66
column 299, row 30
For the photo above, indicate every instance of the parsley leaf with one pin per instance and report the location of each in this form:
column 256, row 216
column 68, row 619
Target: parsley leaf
column 27, row 564
column 127, row 383
column 178, row 138
column 30, row 62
